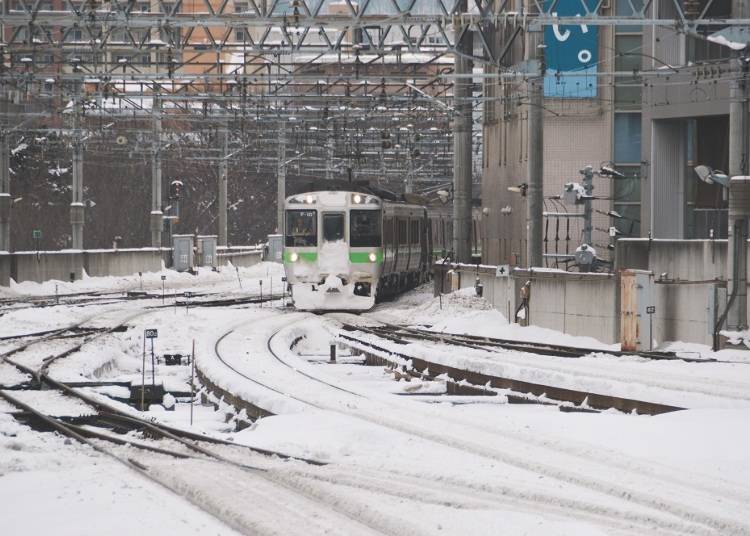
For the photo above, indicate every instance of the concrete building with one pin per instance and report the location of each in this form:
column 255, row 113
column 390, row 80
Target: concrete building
column 684, row 123
column 579, row 124
column 654, row 125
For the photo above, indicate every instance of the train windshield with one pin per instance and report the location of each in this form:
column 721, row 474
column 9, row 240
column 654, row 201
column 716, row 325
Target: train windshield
column 301, row 228
column 364, row 228
column 333, row 227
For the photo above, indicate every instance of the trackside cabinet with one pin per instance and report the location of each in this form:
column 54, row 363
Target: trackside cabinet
column 182, row 253
column 207, row 250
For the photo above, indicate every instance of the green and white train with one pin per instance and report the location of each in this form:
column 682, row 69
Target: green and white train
column 345, row 249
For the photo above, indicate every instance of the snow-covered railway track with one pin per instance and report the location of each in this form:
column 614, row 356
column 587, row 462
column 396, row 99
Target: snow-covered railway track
column 661, row 499
column 667, row 382
column 480, row 380
column 203, row 470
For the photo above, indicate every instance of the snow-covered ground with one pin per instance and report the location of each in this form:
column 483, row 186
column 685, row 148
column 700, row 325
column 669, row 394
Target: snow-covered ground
column 401, row 457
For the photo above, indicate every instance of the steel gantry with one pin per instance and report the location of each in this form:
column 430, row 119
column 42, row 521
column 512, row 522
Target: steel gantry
column 366, row 82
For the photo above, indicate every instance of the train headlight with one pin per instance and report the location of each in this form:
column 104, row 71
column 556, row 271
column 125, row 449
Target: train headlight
column 357, row 198
column 309, row 200
column 294, row 256
column 373, row 257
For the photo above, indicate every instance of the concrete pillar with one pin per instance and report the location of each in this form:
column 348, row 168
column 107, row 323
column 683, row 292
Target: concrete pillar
column 409, row 171
column 462, row 146
column 281, row 178
column 737, row 121
column 739, row 216
column 740, row 9
column 739, row 204
column 5, row 200
column 77, row 214
column 535, row 178
column 329, row 156
column 223, row 166
column 157, row 220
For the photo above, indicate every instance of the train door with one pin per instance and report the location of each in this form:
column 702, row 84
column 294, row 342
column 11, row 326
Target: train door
column 425, row 242
column 402, row 254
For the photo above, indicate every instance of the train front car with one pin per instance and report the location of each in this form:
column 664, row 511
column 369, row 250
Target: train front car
column 333, row 252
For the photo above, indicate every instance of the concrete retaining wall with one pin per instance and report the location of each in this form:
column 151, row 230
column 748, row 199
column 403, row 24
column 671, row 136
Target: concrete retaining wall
column 571, row 302
column 239, row 256
column 44, row 266
column 685, row 274
column 5, row 260
column 117, row 262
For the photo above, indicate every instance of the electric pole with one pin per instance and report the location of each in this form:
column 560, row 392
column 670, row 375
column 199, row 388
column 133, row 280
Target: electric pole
column 5, row 201
column 535, row 179
column 76, row 206
column 223, row 169
column 281, row 178
column 157, row 220
column 462, row 124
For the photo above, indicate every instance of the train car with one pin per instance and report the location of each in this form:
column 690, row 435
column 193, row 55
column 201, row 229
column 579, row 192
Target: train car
column 345, row 249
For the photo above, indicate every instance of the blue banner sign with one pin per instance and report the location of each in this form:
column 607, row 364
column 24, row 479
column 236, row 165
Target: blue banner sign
column 571, row 54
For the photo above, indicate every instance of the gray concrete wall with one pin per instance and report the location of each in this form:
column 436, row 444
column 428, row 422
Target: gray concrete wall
column 570, row 302
column 690, row 269
column 46, row 265
column 118, row 262
column 683, row 260
column 5, row 261
column 59, row 265
column 239, row 256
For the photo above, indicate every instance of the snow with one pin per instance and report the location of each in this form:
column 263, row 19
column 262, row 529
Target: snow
column 402, row 457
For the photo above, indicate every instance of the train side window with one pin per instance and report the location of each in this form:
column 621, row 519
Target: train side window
column 388, row 231
column 414, row 231
column 402, row 238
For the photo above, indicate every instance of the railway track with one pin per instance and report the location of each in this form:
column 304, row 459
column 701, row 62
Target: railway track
column 100, row 426
column 404, row 334
column 481, row 381
column 523, row 451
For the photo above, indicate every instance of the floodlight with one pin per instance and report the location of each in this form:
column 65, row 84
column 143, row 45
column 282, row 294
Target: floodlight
column 710, row 176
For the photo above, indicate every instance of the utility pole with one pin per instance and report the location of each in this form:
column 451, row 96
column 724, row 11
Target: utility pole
column 223, row 165
column 409, row 171
column 329, row 156
column 76, row 205
column 5, row 201
column 535, row 179
column 157, row 217
column 462, row 123
column 739, row 200
column 281, row 178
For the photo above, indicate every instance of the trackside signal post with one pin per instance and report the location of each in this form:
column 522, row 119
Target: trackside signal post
column 148, row 334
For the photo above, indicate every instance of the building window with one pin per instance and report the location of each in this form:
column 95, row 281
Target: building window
column 240, row 7
column 240, row 35
column 627, row 137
